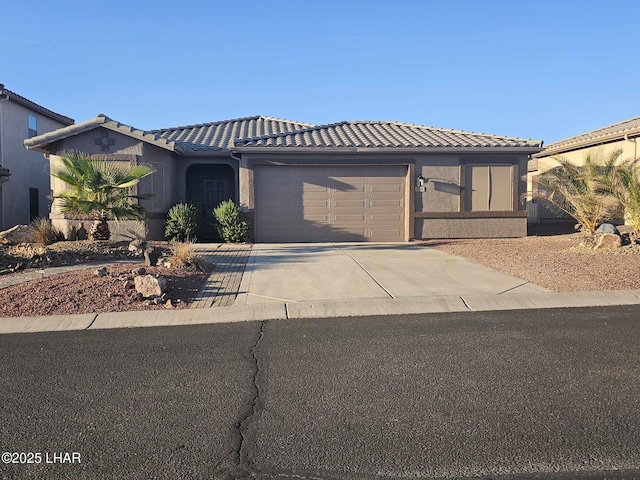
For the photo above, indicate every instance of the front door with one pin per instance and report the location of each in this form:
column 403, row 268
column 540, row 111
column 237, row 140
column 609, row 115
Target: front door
column 214, row 192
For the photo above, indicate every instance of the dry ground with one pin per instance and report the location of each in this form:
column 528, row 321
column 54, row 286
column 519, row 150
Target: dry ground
column 81, row 291
column 554, row 261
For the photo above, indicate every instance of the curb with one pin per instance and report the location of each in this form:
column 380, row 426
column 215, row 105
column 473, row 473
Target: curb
column 318, row 309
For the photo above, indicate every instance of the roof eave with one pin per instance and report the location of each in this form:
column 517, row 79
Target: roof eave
column 25, row 102
column 591, row 142
column 40, row 142
column 385, row 150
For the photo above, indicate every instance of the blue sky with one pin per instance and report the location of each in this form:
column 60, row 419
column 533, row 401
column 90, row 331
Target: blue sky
column 536, row 69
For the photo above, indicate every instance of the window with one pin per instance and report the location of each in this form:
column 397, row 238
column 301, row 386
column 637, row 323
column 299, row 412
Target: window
column 489, row 188
column 33, row 126
column 34, row 200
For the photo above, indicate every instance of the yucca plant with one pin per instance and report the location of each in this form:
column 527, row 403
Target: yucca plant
column 581, row 191
column 101, row 189
column 182, row 222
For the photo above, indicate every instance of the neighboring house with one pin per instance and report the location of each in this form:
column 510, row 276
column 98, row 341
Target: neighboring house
column 25, row 193
column 621, row 136
column 347, row 181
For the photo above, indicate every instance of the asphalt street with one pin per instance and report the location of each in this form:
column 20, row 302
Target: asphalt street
column 510, row 394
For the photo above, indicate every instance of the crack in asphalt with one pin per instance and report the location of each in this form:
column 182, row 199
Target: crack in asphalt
column 241, row 468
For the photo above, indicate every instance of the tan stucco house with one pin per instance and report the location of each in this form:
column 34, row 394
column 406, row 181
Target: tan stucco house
column 621, row 136
column 298, row 182
column 24, row 174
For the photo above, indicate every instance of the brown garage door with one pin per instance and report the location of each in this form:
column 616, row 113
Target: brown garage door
column 327, row 204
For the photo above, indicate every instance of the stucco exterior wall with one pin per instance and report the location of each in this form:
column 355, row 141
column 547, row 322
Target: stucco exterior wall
column 471, row 228
column 441, row 190
column 29, row 169
column 86, row 142
column 630, row 150
column 441, row 196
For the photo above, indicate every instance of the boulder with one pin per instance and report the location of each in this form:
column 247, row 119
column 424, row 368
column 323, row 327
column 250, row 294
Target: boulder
column 150, row 286
column 18, row 234
column 608, row 240
column 625, row 229
column 607, row 228
column 151, row 256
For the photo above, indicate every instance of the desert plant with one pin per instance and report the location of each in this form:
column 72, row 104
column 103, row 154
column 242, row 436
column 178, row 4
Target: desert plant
column 182, row 222
column 100, row 188
column 581, row 191
column 45, row 232
column 624, row 185
column 184, row 255
column 230, row 222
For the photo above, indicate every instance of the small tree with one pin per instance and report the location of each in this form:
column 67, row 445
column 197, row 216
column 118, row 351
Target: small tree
column 581, row 191
column 182, row 222
column 102, row 189
column 230, row 222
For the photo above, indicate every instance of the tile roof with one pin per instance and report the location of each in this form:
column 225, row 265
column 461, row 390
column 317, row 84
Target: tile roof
column 369, row 134
column 34, row 106
column 217, row 136
column 594, row 137
column 100, row 121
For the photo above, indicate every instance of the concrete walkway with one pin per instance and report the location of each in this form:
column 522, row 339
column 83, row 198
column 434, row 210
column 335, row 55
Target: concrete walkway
column 334, row 280
column 306, row 272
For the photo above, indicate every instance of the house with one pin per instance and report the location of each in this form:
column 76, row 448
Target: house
column 24, row 176
column 298, row 182
column 601, row 142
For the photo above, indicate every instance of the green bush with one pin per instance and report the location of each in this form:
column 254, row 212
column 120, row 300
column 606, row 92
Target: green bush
column 230, row 222
column 182, row 222
column 45, row 232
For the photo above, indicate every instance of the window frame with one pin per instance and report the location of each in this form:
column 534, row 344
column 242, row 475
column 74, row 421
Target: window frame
column 32, row 132
column 465, row 180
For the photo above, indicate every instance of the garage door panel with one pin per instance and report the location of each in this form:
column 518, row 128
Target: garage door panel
column 315, row 204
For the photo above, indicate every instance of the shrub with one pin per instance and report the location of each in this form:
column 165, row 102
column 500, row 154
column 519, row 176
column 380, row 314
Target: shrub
column 185, row 256
column 182, row 222
column 230, row 222
column 45, row 232
column 581, row 191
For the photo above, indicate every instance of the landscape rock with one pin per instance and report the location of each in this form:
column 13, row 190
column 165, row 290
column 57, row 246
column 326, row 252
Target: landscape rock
column 101, row 272
column 624, row 229
column 137, row 246
column 81, row 233
column 151, row 256
column 608, row 240
column 169, row 304
column 18, row 234
column 607, row 228
column 138, row 271
column 150, row 285
column 129, row 284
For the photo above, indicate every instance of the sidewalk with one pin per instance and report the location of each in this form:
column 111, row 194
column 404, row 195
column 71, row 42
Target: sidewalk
column 381, row 280
column 320, row 309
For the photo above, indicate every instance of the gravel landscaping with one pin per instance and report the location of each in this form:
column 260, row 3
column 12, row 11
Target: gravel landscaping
column 82, row 291
column 553, row 261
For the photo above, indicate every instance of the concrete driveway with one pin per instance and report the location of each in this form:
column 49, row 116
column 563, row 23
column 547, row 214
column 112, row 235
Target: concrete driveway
column 278, row 273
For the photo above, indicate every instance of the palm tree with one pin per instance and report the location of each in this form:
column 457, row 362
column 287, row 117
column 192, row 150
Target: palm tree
column 624, row 184
column 100, row 188
column 581, row 191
